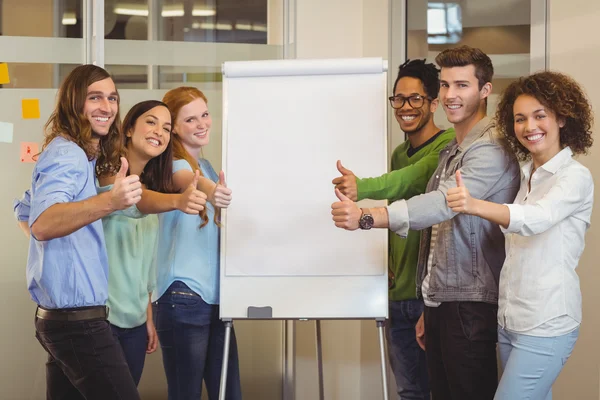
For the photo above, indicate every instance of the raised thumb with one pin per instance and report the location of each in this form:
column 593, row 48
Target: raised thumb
column 124, row 168
column 343, row 170
column 340, row 195
column 222, row 179
column 194, row 183
column 459, row 180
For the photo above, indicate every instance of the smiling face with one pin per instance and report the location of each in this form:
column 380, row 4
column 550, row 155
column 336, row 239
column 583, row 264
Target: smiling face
column 192, row 125
column 101, row 106
column 151, row 133
column 460, row 95
column 412, row 120
column 536, row 128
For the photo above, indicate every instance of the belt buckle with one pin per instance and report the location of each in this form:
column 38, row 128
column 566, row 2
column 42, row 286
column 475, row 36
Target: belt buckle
column 182, row 293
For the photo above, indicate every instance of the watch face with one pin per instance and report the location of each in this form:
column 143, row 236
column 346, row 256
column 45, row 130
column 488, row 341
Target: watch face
column 366, row 221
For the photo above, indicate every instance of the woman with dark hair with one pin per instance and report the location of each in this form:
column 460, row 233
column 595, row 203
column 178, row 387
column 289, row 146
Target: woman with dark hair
column 131, row 236
column 545, row 119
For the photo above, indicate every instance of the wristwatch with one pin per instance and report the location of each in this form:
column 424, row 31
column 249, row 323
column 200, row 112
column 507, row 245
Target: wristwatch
column 366, row 219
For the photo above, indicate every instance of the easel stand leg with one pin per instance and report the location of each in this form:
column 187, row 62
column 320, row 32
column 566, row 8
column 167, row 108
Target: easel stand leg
column 320, row 359
column 228, row 326
column 380, row 325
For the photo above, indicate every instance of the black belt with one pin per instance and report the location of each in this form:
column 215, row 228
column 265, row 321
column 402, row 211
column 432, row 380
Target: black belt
column 73, row 314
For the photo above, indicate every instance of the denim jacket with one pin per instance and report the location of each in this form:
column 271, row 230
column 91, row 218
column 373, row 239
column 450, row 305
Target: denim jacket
column 469, row 251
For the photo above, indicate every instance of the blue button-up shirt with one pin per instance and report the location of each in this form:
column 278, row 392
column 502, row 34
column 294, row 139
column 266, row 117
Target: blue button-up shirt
column 70, row 271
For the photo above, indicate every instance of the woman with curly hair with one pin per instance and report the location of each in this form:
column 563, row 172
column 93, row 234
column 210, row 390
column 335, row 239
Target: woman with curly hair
column 545, row 118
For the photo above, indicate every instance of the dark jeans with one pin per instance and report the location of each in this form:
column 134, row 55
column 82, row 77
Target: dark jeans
column 85, row 361
column 460, row 339
column 134, row 342
column 406, row 357
column 191, row 337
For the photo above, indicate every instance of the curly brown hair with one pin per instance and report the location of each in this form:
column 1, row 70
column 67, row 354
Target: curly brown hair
column 561, row 95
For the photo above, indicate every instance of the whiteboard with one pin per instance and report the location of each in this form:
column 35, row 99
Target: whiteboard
column 285, row 123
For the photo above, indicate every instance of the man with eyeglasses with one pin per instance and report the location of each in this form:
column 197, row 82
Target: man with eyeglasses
column 461, row 256
column 413, row 162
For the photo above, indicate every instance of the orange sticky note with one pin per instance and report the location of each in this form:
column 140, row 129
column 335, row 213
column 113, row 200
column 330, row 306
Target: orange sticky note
column 4, row 78
column 30, row 108
column 28, row 151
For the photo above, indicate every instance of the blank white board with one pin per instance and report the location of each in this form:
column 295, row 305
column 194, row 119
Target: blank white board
column 285, row 123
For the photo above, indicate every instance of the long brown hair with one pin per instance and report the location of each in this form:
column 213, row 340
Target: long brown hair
column 176, row 99
column 158, row 172
column 68, row 120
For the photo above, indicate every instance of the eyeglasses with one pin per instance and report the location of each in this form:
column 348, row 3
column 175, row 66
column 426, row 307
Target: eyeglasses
column 415, row 101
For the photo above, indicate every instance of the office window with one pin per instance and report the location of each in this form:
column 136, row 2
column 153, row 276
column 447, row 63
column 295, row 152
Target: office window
column 217, row 21
column 444, row 23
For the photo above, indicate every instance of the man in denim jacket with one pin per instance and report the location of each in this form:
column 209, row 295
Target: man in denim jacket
column 460, row 256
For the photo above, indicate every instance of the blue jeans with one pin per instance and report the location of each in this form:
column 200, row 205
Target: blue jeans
column 134, row 342
column 406, row 357
column 531, row 364
column 191, row 337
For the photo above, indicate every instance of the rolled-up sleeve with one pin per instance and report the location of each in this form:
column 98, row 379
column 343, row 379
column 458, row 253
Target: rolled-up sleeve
column 573, row 190
column 517, row 218
column 398, row 218
column 58, row 177
column 22, row 206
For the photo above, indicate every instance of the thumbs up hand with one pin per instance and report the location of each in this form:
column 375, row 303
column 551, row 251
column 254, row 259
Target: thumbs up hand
column 459, row 199
column 345, row 212
column 346, row 183
column 221, row 196
column 192, row 201
column 127, row 190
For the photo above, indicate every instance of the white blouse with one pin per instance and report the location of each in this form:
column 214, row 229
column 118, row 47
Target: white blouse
column 539, row 288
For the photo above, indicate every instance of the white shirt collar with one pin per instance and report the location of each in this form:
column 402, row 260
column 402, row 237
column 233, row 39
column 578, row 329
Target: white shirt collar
column 552, row 165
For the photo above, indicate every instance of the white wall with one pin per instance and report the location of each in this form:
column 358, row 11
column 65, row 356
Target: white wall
column 329, row 29
column 574, row 48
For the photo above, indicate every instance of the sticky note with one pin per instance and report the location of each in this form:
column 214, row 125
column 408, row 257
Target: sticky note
column 6, row 132
column 28, row 151
column 30, row 108
column 4, row 73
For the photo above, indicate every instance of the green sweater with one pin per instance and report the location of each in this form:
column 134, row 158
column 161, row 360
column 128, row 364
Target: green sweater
column 411, row 170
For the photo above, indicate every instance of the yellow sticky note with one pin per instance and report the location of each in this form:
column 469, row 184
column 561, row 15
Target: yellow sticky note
column 31, row 108
column 4, row 73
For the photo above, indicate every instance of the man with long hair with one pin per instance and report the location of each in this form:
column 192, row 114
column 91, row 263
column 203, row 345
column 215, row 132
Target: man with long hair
column 67, row 268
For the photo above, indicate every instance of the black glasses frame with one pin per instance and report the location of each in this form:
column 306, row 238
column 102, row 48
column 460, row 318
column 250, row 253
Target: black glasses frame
column 410, row 99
